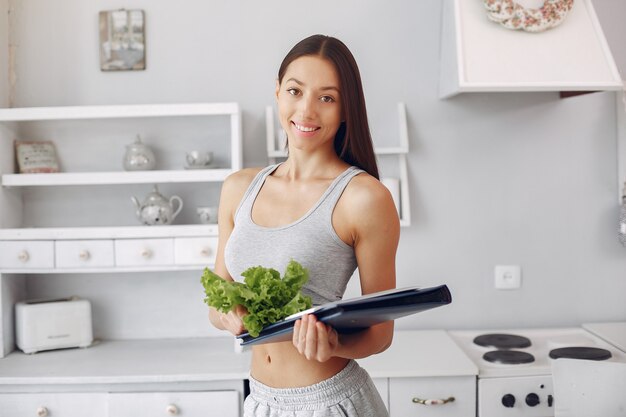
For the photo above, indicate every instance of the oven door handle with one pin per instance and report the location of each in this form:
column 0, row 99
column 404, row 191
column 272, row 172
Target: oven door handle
column 434, row 401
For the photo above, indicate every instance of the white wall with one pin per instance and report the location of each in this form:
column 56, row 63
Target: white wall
column 525, row 179
column 4, row 53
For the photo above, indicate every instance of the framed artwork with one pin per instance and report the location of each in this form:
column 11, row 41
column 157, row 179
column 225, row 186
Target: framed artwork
column 122, row 40
column 36, row 157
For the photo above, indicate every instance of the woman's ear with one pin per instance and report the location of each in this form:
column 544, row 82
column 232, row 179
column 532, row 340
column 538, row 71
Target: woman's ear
column 277, row 88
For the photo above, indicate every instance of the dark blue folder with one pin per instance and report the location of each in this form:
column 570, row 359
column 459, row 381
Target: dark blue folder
column 359, row 313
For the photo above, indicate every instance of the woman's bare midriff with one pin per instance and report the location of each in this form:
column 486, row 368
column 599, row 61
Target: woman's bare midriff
column 280, row 365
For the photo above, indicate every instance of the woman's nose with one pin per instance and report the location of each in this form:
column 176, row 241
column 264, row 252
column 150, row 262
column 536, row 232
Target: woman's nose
column 307, row 106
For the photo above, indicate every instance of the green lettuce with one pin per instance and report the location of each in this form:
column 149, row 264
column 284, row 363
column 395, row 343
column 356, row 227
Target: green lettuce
column 267, row 297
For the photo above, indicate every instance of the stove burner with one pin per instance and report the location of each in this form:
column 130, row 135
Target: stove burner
column 502, row 341
column 581, row 352
column 508, row 357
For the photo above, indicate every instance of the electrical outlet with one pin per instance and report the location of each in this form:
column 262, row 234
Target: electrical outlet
column 508, row 277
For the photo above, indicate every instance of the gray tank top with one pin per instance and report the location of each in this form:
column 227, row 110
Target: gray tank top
column 310, row 240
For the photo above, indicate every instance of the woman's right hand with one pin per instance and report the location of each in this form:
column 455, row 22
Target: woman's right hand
column 232, row 321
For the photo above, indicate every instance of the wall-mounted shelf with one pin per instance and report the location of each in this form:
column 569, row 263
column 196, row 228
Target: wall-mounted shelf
column 117, row 111
column 478, row 55
column 120, row 232
column 276, row 150
column 115, row 177
column 49, row 229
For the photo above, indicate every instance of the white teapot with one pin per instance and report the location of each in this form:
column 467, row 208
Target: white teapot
column 156, row 209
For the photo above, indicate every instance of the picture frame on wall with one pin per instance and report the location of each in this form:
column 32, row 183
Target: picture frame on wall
column 36, row 157
column 122, row 40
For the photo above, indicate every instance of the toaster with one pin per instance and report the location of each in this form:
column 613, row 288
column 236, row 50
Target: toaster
column 53, row 324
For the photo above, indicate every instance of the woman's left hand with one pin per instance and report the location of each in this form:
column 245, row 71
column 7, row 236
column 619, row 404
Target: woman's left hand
column 314, row 339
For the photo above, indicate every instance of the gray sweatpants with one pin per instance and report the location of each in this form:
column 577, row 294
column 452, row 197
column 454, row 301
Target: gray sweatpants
column 349, row 393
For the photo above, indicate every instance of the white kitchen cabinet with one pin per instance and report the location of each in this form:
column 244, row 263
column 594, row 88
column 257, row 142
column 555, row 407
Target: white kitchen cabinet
column 425, row 365
column 184, row 404
column 478, row 55
column 81, row 220
column 127, row 404
column 53, row 405
column 276, row 150
column 433, row 396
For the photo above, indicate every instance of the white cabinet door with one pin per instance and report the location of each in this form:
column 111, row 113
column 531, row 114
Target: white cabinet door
column 405, row 395
column 26, row 254
column 144, row 252
column 54, row 405
column 195, row 250
column 184, row 404
column 84, row 253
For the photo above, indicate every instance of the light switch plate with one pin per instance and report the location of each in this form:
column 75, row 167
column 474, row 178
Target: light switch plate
column 508, row 277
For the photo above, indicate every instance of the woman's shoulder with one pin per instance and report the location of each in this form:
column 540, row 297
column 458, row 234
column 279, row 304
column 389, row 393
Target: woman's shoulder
column 236, row 184
column 372, row 198
column 242, row 177
column 367, row 189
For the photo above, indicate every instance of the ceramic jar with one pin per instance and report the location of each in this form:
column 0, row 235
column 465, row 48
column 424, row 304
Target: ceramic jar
column 138, row 156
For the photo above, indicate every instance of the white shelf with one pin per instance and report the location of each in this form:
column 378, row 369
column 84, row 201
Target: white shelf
column 401, row 151
column 123, row 232
column 119, row 177
column 478, row 55
column 117, row 111
column 108, row 270
column 175, row 128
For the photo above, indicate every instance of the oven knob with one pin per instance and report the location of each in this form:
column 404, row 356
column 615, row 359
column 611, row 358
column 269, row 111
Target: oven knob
column 532, row 399
column 508, row 400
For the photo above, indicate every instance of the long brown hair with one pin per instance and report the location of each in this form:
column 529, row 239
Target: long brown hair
column 353, row 140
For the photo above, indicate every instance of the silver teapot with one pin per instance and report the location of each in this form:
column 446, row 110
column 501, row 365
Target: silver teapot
column 157, row 209
column 138, row 156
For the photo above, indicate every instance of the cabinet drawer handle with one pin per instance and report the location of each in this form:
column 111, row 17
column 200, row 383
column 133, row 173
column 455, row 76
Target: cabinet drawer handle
column 42, row 411
column 23, row 256
column 172, row 410
column 84, row 255
column 206, row 252
column 428, row 401
column 146, row 254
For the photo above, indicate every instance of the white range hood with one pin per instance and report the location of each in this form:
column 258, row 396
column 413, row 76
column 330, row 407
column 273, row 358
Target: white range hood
column 478, row 55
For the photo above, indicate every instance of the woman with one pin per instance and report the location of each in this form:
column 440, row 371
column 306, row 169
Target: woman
column 325, row 208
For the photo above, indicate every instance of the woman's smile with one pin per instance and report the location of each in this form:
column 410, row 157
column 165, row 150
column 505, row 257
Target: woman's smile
column 305, row 128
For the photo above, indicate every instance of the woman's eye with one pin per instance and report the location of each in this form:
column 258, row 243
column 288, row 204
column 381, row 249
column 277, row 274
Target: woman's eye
column 293, row 91
column 327, row 99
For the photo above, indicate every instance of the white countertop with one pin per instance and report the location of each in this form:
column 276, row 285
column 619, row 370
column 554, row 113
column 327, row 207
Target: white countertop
column 614, row 333
column 420, row 353
column 129, row 361
column 429, row 353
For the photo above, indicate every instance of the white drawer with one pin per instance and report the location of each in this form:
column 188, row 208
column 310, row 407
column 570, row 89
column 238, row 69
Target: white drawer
column 403, row 391
column 27, row 254
column 84, row 253
column 54, row 404
column 144, row 252
column 195, row 250
column 184, row 404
